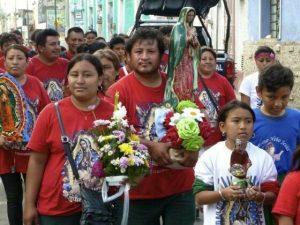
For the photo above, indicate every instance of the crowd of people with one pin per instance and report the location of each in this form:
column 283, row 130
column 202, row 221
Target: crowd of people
column 82, row 81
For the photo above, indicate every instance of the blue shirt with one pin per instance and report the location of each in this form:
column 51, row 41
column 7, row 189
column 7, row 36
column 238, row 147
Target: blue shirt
column 279, row 136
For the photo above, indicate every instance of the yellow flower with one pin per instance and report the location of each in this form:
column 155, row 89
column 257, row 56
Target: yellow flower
column 131, row 161
column 134, row 137
column 126, row 148
column 105, row 138
column 147, row 163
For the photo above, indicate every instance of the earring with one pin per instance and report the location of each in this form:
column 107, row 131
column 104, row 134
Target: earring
column 253, row 135
column 223, row 134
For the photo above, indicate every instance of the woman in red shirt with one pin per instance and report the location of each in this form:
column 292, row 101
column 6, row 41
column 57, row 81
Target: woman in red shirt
column 213, row 92
column 47, row 185
column 110, row 63
column 13, row 163
column 287, row 206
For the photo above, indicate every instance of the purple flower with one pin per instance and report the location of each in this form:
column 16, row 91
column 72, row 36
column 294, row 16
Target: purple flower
column 138, row 161
column 97, row 169
column 120, row 135
column 124, row 162
column 141, row 147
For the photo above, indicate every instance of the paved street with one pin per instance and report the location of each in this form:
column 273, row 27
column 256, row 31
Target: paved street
column 3, row 215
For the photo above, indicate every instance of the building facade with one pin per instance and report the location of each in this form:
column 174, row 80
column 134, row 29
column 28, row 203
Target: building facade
column 276, row 26
column 107, row 17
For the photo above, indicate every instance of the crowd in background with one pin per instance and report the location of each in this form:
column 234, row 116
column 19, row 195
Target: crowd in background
column 84, row 77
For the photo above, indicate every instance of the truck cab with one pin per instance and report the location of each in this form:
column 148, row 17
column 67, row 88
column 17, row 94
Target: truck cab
column 166, row 13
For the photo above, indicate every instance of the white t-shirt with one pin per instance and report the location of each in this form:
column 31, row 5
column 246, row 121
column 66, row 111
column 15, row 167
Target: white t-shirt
column 248, row 88
column 213, row 169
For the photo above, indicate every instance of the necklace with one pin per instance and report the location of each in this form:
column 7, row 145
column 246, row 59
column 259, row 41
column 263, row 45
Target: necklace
column 86, row 114
column 89, row 111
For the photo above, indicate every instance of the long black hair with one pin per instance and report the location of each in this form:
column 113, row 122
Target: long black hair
column 86, row 57
column 234, row 104
column 296, row 159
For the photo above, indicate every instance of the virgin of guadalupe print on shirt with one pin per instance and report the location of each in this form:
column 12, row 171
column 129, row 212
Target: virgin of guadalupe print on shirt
column 85, row 156
column 32, row 112
column 238, row 212
column 14, row 123
column 210, row 111
column 54, row 90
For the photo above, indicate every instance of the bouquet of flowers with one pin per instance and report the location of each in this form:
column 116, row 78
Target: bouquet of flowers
column 182, row 126
column 119, row 148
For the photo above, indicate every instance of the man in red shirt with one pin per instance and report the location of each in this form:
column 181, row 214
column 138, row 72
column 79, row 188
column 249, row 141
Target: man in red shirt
column 47, row 65
column 75, row 37
column 165, row 193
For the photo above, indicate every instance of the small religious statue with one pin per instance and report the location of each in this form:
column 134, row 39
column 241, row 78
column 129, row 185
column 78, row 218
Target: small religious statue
column 239, row 164
column 183, row 59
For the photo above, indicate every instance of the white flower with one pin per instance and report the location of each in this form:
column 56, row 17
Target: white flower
column 120, row 113
column 100, row 139
column 193, row 114
column 124, row 123
column 115, row 162
column 174, row 119
column 132, row 129
column 101, row 122
column 123, row 170
column 105, row 148
column 110, row 153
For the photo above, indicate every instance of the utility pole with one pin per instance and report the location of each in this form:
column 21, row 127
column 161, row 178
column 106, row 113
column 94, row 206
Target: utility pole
column 55, row 15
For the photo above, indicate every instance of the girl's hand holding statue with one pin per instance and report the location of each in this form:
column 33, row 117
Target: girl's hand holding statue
column 232, row 193
column 253, row 193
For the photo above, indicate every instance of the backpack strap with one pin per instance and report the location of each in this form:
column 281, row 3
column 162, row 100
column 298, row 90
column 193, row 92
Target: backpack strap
column 66, row 141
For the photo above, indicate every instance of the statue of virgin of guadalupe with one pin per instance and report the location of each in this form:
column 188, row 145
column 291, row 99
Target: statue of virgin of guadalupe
column 183, row 59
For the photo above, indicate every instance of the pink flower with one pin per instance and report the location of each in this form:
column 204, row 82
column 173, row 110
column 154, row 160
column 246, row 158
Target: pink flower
column 97, row 169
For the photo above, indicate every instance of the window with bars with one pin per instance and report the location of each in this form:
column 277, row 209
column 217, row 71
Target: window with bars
column 275, row 18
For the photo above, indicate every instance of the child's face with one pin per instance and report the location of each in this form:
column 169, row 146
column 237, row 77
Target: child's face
column 238, row 124
column 274, row 103
column 263, row 61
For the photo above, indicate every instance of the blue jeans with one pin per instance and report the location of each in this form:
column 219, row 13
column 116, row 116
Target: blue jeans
column 12, row 183
column 177, row 209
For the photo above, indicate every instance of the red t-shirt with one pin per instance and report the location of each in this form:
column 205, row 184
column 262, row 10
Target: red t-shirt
column 52, row 75
column 67, row 55
column 223, row 93
column 37, row 99
column 288, row 200
column 46, row 139
column 2, row 66
column 164, row 61
column 123, row 71
column 138, row 100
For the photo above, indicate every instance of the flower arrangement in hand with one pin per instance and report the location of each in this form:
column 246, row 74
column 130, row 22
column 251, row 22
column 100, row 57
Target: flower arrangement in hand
column 120, row 150
column 180, row 126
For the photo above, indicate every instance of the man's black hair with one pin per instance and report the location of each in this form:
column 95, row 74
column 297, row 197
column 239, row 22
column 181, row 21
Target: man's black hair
column 166, row 30
column 76, row 30
column 34, row 34
column 17, row 32
column 41, row 37
column 116, row 40
column 144, row 33
column 275, row 77
column 91, row 32
column 8, row 37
